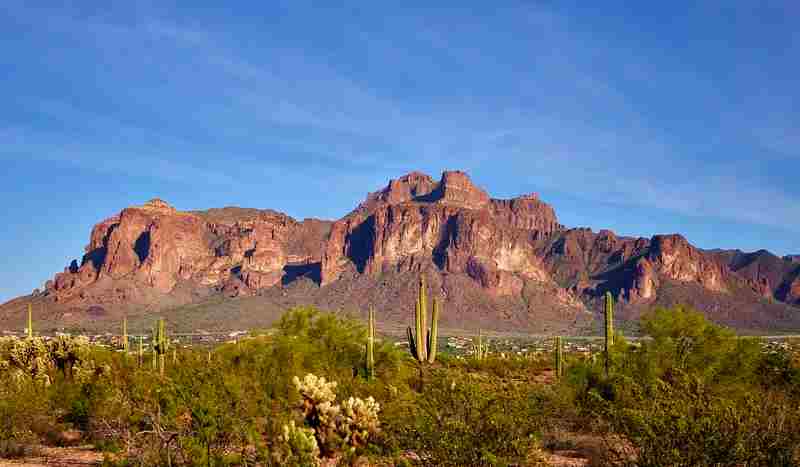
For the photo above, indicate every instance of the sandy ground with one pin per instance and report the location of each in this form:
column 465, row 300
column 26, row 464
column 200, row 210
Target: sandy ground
column 84, row 456
column 47, row 456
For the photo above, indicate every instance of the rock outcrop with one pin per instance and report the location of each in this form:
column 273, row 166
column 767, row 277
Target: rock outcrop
column 416, row 223
column 156, row 246
column 789, row 290
column 678, row 260
column 513, row 252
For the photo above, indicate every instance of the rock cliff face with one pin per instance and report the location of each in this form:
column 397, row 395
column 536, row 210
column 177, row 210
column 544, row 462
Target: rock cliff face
column 416, row 223
column 481, row 253
column 789, row 290
column 156, row 246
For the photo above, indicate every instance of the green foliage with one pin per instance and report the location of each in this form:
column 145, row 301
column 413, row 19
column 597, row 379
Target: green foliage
column 300, row 446
column 684, row 342
column 461, row 419
column 690, row 393
column 693, row 394
column 686, row 424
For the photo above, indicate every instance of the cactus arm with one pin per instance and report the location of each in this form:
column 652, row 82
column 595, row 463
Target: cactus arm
column 154, row 347
column 434, row 335
column 166, row 338
column 419, row 344
column 411, row 344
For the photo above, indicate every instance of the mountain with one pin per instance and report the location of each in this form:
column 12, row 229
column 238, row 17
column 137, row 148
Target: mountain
column 498, row 264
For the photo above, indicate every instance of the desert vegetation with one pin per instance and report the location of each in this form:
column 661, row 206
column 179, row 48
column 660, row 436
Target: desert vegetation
column 322, row 389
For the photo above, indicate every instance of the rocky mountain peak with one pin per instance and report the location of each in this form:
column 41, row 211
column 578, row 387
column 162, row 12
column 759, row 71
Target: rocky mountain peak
column 405, row 188
column 158, row 204
column 457, row 188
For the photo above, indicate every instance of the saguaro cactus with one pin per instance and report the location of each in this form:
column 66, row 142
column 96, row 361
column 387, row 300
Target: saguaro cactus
column 125, row 347
column 160, row 346
column 558, row 356
column 423, row 341
column 370, row 353
column 609, row 331
column 154, row 354
column 30, row 321
column 141, row 351
column 479, row 347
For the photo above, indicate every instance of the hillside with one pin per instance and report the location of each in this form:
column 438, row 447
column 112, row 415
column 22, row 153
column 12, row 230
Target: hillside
column 507, row 265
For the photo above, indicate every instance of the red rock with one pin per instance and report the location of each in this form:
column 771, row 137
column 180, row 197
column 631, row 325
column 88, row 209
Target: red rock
column 514, row 249
column 676, row 259
column 645, row 281
column 453, row 225
column 456, row 188
column 156, row 246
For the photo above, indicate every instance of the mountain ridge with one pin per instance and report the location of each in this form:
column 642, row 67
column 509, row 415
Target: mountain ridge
column 496, row 260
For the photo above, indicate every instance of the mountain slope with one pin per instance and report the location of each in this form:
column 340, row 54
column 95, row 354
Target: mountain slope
column 498, row 264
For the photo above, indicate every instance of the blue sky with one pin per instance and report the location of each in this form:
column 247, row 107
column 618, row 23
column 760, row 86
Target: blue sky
column 681, row 117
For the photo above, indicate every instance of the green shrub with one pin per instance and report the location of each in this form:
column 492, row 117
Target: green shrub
column 462, row 419
column 693, row 394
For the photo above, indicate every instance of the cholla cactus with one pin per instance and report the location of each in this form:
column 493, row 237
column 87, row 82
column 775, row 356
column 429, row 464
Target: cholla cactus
column 35, row 358
column 86, row 370
column 66, row 351
column 30, row 356
column 350, row 423
column 316, row 389
column 301, row 446
column 360, row 419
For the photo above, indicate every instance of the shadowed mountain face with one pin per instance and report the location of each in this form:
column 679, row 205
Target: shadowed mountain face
column 506, row 264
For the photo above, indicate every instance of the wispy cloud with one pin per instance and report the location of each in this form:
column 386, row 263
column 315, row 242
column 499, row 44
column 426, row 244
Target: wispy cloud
column 570, row 127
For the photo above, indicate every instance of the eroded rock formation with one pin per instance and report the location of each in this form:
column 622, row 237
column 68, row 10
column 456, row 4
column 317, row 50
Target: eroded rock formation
column 156, row 246
column 511, row 249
